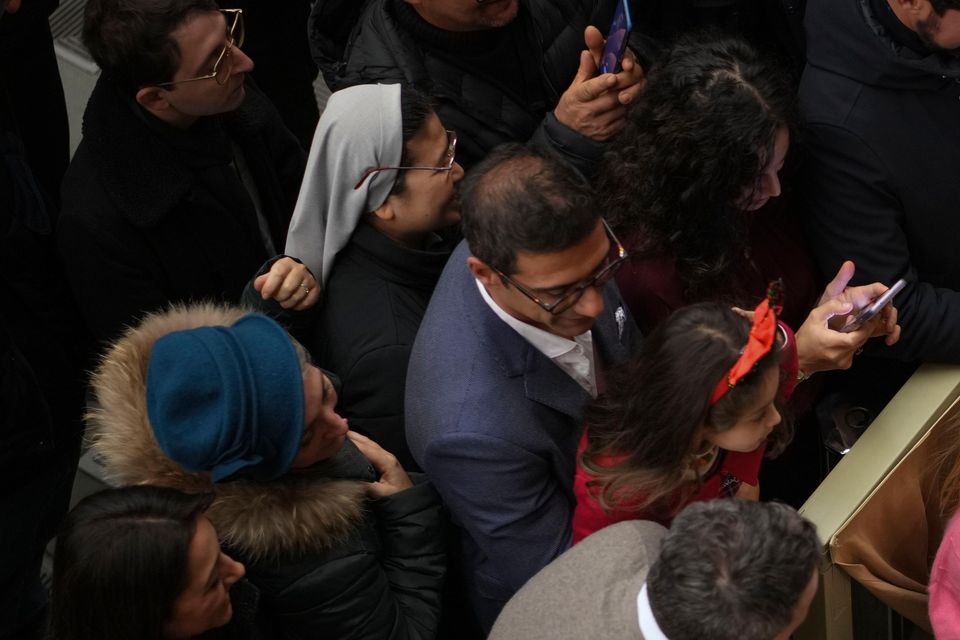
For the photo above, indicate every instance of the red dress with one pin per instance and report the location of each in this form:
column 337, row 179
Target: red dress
column 731, row 469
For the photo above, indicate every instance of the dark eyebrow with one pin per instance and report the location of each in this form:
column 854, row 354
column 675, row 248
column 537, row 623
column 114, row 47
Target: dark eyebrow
column 593, row 272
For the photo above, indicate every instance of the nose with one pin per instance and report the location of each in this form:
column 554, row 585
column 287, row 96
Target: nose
column 590, row 304
column 242, row 63
column 231, row 571
column 456, row 171
column 771, row 185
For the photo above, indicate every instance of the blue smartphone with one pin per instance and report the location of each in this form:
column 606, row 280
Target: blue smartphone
column 616, row 44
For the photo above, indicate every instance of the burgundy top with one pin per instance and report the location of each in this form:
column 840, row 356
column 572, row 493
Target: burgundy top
column 723, row 481
column 652, row 288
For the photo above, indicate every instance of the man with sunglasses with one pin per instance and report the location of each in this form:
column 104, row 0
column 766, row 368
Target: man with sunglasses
column 512, row 348
column 186, row 178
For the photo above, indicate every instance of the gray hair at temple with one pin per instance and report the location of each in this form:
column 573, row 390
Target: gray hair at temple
column 733, row 570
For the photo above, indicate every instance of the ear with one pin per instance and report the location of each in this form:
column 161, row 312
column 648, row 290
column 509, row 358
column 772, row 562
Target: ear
column 386, row 212
column 152, row 99
column 482, row 272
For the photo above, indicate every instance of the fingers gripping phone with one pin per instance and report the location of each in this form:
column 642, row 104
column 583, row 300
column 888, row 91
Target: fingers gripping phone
column 874, row 307
column 616, row 43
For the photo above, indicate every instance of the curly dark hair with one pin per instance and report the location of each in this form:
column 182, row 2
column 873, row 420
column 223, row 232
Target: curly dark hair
column 700, row 136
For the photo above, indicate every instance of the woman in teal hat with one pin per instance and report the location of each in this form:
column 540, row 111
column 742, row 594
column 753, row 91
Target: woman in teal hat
column 333, row 532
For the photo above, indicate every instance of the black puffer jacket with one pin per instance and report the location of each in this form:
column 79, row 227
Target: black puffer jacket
column 481, row 112
column 882, row 127
column 153, row 215
column 327, row 561
column 373, row 304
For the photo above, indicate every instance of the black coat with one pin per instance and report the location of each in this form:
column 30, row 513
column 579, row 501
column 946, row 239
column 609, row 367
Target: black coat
column 550, row 35
column 374, row 301
column 153, row 215
column 882, row 128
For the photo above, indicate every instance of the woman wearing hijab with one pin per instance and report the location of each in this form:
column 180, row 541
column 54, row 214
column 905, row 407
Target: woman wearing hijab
column 374, row 222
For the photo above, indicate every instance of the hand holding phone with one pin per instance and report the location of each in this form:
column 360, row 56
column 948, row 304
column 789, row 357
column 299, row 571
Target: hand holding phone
column 616, row 43
column 875, row 307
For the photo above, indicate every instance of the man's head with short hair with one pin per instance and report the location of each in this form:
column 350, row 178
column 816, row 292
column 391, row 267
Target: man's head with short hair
column 521, row 200
column 734, row 570
column 177, row 58
column 535, row 231
column 132, row 40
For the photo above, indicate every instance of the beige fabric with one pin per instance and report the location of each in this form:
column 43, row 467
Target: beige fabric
column 588, row 592
column 889, row 544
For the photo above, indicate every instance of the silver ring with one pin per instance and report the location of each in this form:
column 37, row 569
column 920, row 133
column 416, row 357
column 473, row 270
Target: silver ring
column 305, row 287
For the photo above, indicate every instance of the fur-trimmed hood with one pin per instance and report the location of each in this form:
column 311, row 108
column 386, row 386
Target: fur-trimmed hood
column 294, row 514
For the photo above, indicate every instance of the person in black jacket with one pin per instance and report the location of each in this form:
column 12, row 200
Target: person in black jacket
column 880, row 98
column 501, row 71
column 42, row 341
column 334, row 534
column 185, row 179
column 376, row 248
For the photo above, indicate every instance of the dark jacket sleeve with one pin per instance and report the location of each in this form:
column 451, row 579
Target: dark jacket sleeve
column 577, row 150
column 297, row 323
column 855, row 214
column 382, row 584
column 415, row 557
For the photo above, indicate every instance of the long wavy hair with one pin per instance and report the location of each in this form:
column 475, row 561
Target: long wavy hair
column 696, row 141
column 656, row 404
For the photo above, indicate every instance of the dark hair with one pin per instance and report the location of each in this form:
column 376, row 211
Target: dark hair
column 656, row 403
column 121, row 561
column 131, row 39
column 732, row 570
column 702, row 133
column 521, row 199
column 415, row 107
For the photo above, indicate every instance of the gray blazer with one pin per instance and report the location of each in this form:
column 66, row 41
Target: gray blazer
column 495, row 424
column 588, row 592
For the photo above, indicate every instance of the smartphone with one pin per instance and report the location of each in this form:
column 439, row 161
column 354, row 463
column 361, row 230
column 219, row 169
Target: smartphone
column 616, row 44
column 874, row 307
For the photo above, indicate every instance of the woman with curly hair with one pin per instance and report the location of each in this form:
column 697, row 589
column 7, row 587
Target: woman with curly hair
column 692, row 186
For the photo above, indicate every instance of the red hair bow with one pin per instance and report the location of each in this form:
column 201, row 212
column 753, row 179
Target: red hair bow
column 763, row 335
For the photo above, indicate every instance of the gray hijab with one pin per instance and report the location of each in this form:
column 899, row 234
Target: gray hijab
column 360, row 128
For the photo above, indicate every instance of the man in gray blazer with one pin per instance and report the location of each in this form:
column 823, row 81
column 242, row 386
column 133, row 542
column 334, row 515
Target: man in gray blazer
column 727, row 570
column 523, row 322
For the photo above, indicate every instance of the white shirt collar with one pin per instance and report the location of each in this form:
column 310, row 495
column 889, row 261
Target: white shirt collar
column 577, row 363
column 648, row 624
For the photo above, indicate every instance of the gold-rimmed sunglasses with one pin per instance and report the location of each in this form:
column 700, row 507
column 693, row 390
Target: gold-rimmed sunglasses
column 223, row 67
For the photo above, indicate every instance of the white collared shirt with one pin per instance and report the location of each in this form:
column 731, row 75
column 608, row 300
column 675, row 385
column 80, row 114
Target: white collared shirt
column 575, row 356
column 648, row 624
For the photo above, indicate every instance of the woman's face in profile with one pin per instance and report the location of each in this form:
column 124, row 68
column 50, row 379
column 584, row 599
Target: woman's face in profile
column 767, row 184
column 204, row 603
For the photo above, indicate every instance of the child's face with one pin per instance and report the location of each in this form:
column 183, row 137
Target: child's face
column 755, row 423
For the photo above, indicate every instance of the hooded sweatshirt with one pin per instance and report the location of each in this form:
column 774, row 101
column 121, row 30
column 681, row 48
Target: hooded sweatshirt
column 882, row 130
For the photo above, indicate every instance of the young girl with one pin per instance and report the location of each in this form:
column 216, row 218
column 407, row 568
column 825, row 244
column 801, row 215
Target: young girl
column 688, row 420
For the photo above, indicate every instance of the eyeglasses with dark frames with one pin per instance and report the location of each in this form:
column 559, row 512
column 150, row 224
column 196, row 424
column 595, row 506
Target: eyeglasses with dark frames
column 223, row 67
column 448, row 159
column 570, row 297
